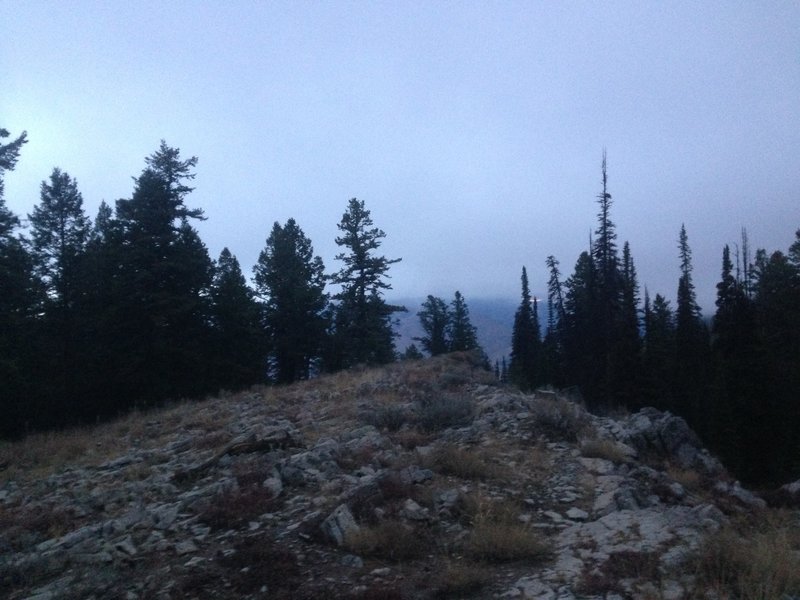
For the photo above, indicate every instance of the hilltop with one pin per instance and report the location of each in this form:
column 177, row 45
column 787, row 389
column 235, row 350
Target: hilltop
column 422, row 479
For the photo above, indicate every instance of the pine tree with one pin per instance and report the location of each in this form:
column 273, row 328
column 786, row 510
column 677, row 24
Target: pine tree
column 553, row 343
column 628, row 342
column 18, row 301
column 238, row 356
column 461, row 334
column 291, row 283
column 362, row 320
column 691, row 341
column 584, row 345
column 659, row 353
column 60, row 232
column 435, row 319
column 525, row 368
column 162, row 286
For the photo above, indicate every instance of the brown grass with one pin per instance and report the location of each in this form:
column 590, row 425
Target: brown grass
column 603, row 448
column 497, row 534
column 757, row 560
column 462, row 463
column 460, row 579
column 390, row 540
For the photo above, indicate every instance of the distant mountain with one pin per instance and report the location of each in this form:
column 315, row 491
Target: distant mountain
column 493, row 318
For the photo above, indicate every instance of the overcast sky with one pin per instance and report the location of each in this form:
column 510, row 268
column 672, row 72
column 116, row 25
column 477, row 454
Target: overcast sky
column 473, row 131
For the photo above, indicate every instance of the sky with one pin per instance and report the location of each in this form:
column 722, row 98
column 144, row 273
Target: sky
column 473, row 131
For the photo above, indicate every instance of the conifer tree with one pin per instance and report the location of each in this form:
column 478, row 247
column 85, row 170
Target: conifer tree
column 461, row 334
column 60, row 232
column 435, row 320
column 691, row 341
column 362, row 320
column 165, row 273
column 18, row 300
column 525, row 367
column 291, row 283
column 238, row 357
column 659, row 352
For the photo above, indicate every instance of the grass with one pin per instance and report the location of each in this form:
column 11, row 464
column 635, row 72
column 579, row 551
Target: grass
column 603, row 448
column 461, row 463
column 390, row 540
column 755, row 560
column 558, row 419
column 497, row 535
column 444, row 410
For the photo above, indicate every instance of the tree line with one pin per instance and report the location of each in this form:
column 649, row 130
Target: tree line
column 735, row 377
column 129, row 309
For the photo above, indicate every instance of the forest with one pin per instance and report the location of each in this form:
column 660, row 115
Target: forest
column 128, row 310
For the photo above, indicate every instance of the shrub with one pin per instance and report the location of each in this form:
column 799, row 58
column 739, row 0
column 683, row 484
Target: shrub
column 446, row 410
column 237, row 507
column 458, row 580
column 390, row 418
column 625, row 564
column 452, row 460
column 752, row 563
column 603, row 448
column 389, row 540
column 558, row 419
column 504, row 542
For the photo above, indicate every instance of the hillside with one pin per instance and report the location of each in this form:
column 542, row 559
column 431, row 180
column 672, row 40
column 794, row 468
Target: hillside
column 423, row 479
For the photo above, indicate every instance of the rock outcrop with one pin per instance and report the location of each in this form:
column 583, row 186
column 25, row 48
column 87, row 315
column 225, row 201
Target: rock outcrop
column 334, row 488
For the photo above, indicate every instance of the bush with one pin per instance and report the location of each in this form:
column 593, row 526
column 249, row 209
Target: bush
column 451, row 460
column 606, row 449
column 504, row 542
column 390, row 418
column 558, row 419
column 446, row 410
column 389, row 540
column 752, row 564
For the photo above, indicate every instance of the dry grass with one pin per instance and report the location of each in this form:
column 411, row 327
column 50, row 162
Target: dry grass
column 459, row 579
column 497, row 534
column 758, row 560
column 390, row 540
column 691, row 480
column 443, row 410
column 603, row 448
column 558, row 419
column 504, row 542
column 462, row 463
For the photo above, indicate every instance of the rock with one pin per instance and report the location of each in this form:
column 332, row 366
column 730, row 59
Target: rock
column 576, row 514
column 339, row 524
column 125, row 546
column 413, row 511
column 185, row 547
column 742, row 496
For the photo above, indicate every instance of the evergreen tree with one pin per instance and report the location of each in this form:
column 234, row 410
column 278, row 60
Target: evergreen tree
column 525, row 368
column 691, row 341
column 435, row 319
column 291, row 282
column 412, row 353
column 628, row 342
column 60, row 232
column 659, row 353
column 238, row 357
column 162, row 287
column 461, row 334
column 553, row 343
column 777, row 303
column 583, row 342
column 362, row 321
column 18, row 300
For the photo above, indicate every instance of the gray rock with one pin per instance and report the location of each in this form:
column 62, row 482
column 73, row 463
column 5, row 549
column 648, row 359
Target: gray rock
column 339, row 524
column 185, row 547
column 576, row 514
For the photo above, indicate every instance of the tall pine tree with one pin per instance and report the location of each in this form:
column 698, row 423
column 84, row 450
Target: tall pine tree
column 362, row 323
column 291, row 283
column 526, row 345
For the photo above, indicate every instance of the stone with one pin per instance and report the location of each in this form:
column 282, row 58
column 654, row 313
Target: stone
column 576, row 514
column 339, row 524
column 185, row 547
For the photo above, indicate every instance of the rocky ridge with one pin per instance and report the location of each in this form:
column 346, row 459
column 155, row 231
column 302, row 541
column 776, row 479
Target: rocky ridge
column 424, row 479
